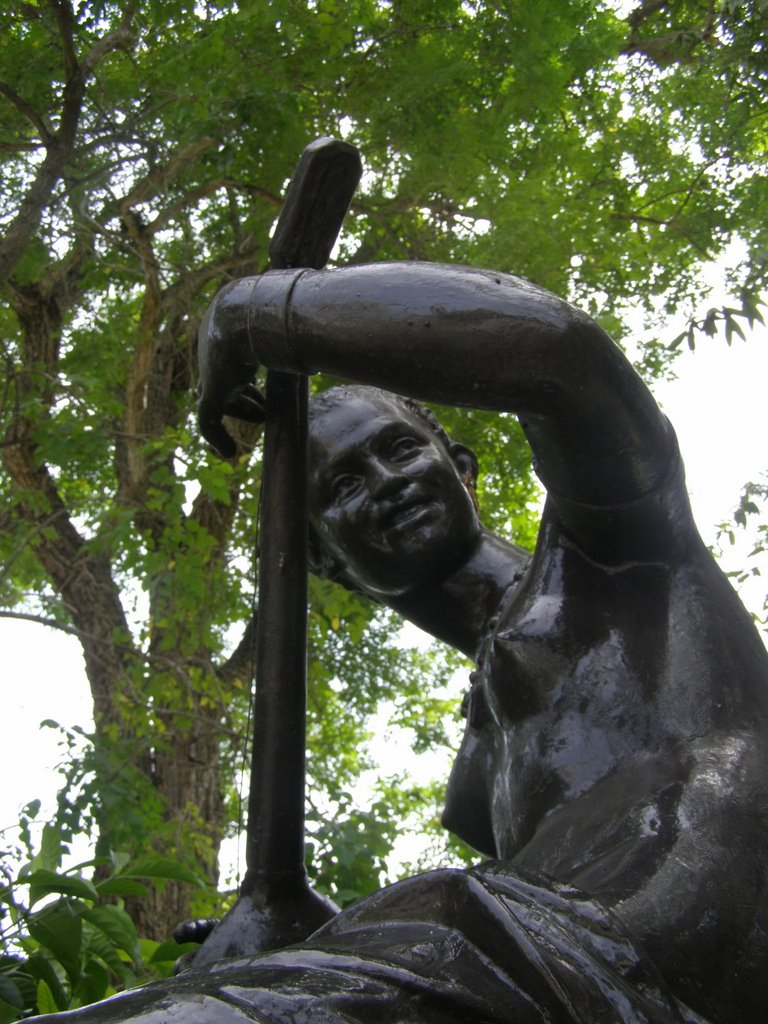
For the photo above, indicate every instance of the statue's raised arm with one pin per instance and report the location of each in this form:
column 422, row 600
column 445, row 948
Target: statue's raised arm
column 454, row 335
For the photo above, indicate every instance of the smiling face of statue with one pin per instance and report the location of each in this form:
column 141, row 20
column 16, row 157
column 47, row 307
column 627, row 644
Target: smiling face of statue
column 387, row 500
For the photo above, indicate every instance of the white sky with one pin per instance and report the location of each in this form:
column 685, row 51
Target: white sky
column 719, row 408
column 717, row 405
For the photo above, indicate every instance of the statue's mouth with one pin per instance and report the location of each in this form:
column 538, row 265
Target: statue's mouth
column 405, row 513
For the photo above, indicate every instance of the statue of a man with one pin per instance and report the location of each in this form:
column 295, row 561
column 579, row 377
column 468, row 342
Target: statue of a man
column 615, row 760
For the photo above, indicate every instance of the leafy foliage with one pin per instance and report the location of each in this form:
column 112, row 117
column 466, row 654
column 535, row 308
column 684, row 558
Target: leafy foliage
column 730, row 319
column 750, row 514
column 145, row 148
column 67, row 940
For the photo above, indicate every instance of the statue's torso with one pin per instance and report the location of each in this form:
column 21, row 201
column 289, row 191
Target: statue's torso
column 589, row 670
column 618, row 739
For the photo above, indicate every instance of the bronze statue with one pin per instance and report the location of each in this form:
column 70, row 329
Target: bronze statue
column 615, row 759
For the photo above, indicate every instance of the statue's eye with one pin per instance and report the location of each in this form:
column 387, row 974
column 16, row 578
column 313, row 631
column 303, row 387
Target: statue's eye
column 345, row 486
column 403, row 448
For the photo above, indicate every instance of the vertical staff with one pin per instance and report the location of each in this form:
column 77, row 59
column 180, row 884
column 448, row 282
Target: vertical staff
column 275, row 830
column 314, row 209
column 276, row 905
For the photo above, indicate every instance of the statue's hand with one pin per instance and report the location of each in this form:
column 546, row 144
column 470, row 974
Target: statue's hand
column 227, row 366
column 197, row 929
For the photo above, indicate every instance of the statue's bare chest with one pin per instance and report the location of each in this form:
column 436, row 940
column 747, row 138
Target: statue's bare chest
column 569, row 680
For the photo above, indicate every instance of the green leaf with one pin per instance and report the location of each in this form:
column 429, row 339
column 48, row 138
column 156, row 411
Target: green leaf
column 45, row 1001
column 160, row 867
column 41, row 968
column 120, row 858
column 8, row 1013
column 43, row 882
column 120, row 886
column 10, row 993
column 94, row 984
column 32, row 809
column 97, row 944
column 59, row 930
column 51, row 849
column 732, row 326
column 710, row 323
column 171, row 950
column 115, row 924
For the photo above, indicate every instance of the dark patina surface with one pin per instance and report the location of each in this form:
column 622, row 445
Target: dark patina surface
column 615, row 760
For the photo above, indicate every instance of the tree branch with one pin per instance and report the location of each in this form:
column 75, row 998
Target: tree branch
column 25, row 542
column 676, row 44
column 156, row 179
column 121, row 39
column 87, row 637
column 645, row 11
column 670, row 223
column 240, row 663
column 43, row 620
column 19, row 146
column 170, row 212
column 27, row 111
column 24, row 224
column 81, row 575
column 60, row 145
column 65, row 21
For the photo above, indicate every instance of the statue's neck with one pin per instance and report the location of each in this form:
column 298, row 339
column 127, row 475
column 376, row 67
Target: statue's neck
column 458, row 609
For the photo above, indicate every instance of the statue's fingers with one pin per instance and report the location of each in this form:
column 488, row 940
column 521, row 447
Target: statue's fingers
column 196, row 930
column 247, row 404
column 213, row 430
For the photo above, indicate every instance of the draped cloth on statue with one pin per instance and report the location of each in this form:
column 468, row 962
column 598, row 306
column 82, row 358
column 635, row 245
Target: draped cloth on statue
column 488, row 944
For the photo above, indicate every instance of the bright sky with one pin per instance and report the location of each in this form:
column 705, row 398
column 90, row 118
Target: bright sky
column 717, row 404
column 719, row 408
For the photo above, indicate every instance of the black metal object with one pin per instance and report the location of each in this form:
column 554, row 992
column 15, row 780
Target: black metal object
column 615, row 761
column 316, row 203
column 617, row 734
column 276, row 905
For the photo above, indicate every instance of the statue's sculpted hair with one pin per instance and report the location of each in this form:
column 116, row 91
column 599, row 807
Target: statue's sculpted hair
column 327, row 400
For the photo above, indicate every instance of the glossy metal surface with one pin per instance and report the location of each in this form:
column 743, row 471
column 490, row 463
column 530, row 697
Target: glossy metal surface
column 617, row 720
column 486, row 945
column 618, row 733
column 276, row 905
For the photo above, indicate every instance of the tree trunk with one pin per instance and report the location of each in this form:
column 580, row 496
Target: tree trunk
column 188, row 779
column 184, row 772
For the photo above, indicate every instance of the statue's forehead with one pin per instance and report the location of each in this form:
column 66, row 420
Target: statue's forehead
column 353, row 418
column 350, row 424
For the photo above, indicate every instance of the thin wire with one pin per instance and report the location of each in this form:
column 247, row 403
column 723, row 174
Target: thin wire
column 251, row 691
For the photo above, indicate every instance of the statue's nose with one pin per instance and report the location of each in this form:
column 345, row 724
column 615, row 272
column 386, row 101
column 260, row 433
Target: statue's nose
column 385, row 480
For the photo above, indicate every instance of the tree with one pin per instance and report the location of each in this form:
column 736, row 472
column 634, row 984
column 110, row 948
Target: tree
column 145, row 150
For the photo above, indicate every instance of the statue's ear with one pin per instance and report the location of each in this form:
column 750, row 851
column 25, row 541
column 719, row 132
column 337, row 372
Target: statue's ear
column 465, row 461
